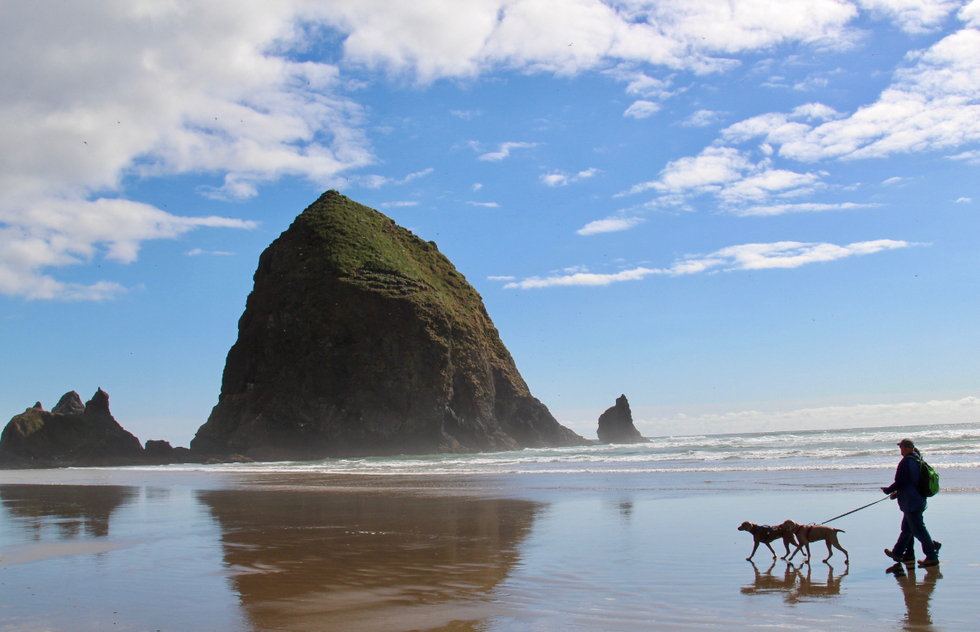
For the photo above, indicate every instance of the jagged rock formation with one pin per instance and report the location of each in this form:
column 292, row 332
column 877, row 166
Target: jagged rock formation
column 71, row 434
column 616, row 424
column 360, row 338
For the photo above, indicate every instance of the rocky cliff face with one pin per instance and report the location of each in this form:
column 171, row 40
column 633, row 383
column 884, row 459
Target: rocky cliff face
column 616, row 424
column 360, row 338
column 70, row 434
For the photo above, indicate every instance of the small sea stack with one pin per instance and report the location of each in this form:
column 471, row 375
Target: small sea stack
column 616, row 424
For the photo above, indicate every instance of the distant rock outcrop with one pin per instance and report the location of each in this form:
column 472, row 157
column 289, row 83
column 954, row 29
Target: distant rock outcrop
column 71, row 434
column 616, row 424
column 359, row 338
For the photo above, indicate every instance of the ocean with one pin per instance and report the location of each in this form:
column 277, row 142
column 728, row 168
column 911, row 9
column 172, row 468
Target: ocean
column 943, row 446
column 597, row 539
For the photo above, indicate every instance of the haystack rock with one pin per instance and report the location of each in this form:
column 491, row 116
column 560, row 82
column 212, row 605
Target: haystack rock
column 359, row 338
column 616, row 424
column 70, row 434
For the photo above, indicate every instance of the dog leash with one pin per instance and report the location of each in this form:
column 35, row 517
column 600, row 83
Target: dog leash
column 854, row 510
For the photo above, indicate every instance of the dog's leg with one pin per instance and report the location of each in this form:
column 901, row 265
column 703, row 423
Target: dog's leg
column 754, row 547
column 830, row 551
column 795, row 551
column 847, row 558
column 787, row 540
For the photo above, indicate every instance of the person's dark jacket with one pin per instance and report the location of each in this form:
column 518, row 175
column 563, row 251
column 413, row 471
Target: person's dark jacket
column 906, row 480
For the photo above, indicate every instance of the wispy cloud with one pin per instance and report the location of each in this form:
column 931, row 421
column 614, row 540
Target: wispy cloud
column 484, row 204
column 642, row 109
column 560, row 179
column 397, row 204
column 803, row 207
column 778, row 255
column 218, row 253
column 504, row 151
column 610, row 225
column 702, row 118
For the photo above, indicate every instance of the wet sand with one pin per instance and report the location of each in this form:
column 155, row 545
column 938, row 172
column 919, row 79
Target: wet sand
column 219, row 550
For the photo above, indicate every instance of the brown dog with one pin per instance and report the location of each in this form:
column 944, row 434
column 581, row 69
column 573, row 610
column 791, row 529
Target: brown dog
column 813, row 533
column 763, row 534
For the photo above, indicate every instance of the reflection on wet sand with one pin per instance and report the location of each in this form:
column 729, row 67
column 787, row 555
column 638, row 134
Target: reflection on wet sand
column 796, row 583
column 73, row 511
column 917, row 595
column 324, row 561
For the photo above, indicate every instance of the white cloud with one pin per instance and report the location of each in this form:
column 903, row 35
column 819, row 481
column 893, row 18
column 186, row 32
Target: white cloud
column 970, row 14
column 913, row 16
column 62, row 232
column 484, row 204
column 892, row 181
column 452, row 39
column 93, row 93
column 610, row 225
column 642, row 109
column 811, row 83
column 964, row 200
column 582, row 278
column 803, row 207
column 476, row 186
column 783, row 254
column 930, row 106
column 500, row 278
column 504, row 151
column 561, row 179
column 218, row 253
column 778, row 255
column 415, row 176
column 466, row 114
column 399, row 204
column 970, row 157
column 702, row 118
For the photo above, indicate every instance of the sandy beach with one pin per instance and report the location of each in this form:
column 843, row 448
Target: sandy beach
column 221, row 550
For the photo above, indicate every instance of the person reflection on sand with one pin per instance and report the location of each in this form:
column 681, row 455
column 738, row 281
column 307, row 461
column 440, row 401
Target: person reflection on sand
column 917, row 595
column 370, row 561
column 796, row 584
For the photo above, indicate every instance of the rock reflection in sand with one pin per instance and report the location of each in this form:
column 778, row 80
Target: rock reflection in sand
column 325, row 561
column 64, row 511
column 796, row 583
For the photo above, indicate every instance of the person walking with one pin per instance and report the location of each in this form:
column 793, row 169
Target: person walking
column 912, row 504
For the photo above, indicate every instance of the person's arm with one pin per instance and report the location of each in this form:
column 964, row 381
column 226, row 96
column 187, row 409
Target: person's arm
column 901, row 478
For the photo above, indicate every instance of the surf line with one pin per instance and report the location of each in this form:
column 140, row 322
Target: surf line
column 855, row 510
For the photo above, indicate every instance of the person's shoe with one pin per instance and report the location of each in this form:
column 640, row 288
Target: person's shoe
column 938, row 546
column 896, row 569
column 926, row 563
column 909, row 557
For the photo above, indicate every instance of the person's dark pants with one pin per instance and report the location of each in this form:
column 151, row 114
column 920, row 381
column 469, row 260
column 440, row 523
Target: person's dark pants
column 914, row 526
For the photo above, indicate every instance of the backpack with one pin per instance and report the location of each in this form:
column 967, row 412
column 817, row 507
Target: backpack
column 928, row 485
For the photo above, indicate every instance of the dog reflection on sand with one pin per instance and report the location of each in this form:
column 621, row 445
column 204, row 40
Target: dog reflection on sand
column 796, row 583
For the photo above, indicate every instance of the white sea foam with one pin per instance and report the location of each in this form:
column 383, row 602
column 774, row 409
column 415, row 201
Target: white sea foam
column 946, row 446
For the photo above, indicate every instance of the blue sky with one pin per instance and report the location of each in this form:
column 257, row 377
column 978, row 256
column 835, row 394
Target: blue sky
column 743, row 215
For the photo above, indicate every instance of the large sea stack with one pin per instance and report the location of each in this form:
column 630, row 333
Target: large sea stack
column 616, row 424
column 359, row 338
column 70, row 434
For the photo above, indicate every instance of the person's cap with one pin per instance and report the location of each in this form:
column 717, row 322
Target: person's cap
column 906, row 443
